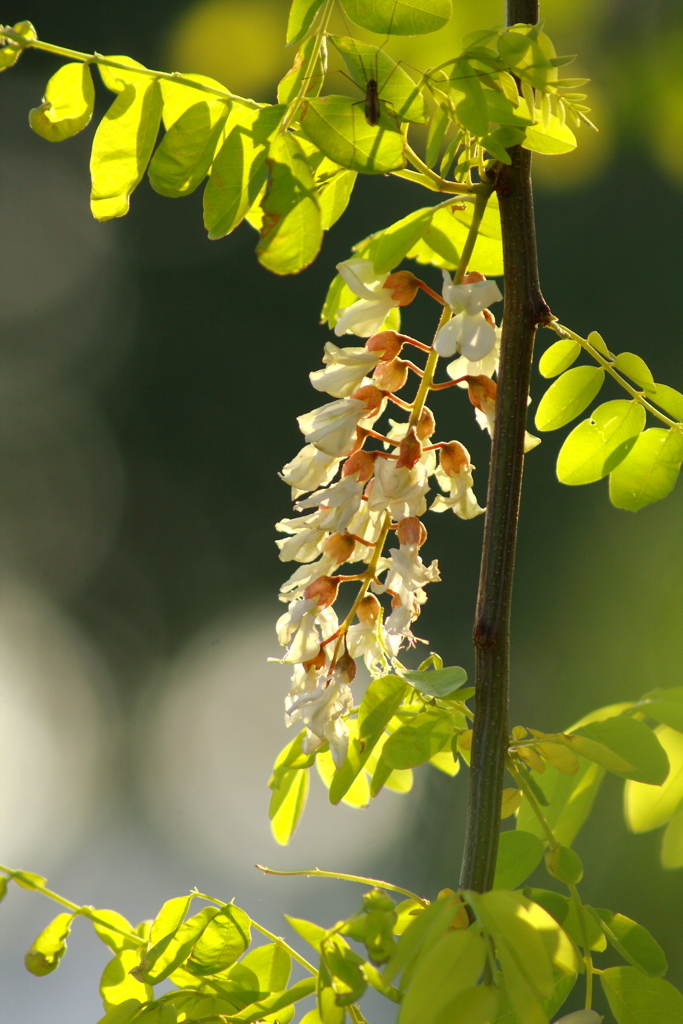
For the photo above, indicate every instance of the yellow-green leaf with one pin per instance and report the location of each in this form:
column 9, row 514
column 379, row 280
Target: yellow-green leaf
column 291, row 232
column 637, row 370
column 117, row 984
column 568, row 396
column 559, row 357
column 49, row 947
column 224, row 939
column 672, row 843
column 122, row 147
column 67, row 105
column 113, row 939
column 184, row 157
column 649, row 471
column 624, row 746
column 648, row 807
column 450, row 966
column 636, row 999
column 287, row 804
column 597, row 445
column 337, row 126
column 519, row 853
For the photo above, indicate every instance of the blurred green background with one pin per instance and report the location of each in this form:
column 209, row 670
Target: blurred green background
column 151, row 384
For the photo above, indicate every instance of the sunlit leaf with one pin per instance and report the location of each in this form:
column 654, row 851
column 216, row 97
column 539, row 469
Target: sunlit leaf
column 395, row 86
column 49, row 947
column 11, row 51
column 184, row 157
column 301, row 74
column 239, row 170
column 634, row 998
column 416, row 742
column 451, row 965
column 563, row 909
column 597, row 445
column 118, row 985
column 671, row 854
column 398, row 17
column 309, row 931
column 169, row 918
column 669, row 399
column 271, row 964
column 116, row 79
column 291, row 233
column 519, row 853
column 438, row 682
column 624, row 746
column 123, row 1013
column 380, row 703
column 648, row 807
column 422, row 932
column 287, row 804
column 174, row 949
column 568, row 396
column 67, row 105
column 113, row 939
column 337, row 126
column 564, row 864
column 334, row 195
column 559, row 357
column 649, row 471
column 224, row 939
column 637, row 370
column 637, row 942
column 122, row 147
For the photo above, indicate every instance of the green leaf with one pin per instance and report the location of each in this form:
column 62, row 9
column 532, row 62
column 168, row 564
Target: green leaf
column 416, row 742
column 276, row 1001
column 291, row 233
column 224, row 939
column 438, row 124
column 438, row 682
column 669, row 399
column 301, row 15
column 337, row 126
column 559, row 357
column 421, row 933
column 169, row 918
column 239, row 170
column 179, row 97
column 568, row 396
column 381, row 701
column 184, row 157
column 309, row 931
column 444, row 238
column 671, row 854
column 67, row 105
column 388, row 247
column 299, row 75
column 598, row 343
column 636, row 941
column 3, row 887
column 291, row 756
column 395, row 86
column 28, row 879
column 49, row 947
column 118, row 985
column 500, row 140
column 116, row 79
column 554, row 140
column 470, row 100
column 333, row 196
column 398, row 17
column 174, row 949
column 271, row 964
column 562, row 908
column 11, row 51
column 570, row 801
column 358, row 794
column 122, row 147
column 121, row 1014
column 649, row 471
column 450, row 966
column 475, row 1005
column 597, row 445
column 636, row 999
column 648, row 807
column 564, row 865
column 519, row 853
column 287, row 804
column 637, row 370
column 623, row 745
column 114, row 940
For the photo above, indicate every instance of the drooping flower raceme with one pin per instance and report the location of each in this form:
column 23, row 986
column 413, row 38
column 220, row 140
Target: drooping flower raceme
column 360, row 488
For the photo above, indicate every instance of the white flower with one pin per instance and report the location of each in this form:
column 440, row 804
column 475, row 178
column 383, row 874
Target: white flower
column 468, row 332
column 337, row 504
column 455, row 476
column 321, row 713
column 303, row 681
column 401, row 491
column 366, row 316
column 306, row 541
column 408, row 571
column 345, row 369
column 332, row 427
column 462, row 367
column 367, row 640
column 366, row 525
column 398, row 625
column 302, row 621
column 309, row 469
column 305, row 574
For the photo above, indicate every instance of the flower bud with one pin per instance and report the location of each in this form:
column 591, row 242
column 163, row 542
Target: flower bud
column 346, row 666
column 339, row 546
column 368, row 610
column 454, row 457
column 362, row 463
column 410, row 450
column 473, row 277
column 403, row 287
column 489, row 317
column 323, row 590
column 371, row 395
column 318, row 663
column 387, row 344
column 391, row 376
column 426, row 424
column 481, row 390
column 411, row 531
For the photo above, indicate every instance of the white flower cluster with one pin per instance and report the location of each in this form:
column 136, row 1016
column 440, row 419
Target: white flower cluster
column 353, row 498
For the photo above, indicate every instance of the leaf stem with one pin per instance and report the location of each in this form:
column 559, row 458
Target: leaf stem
column 317, row 873
column 97, row 58
column 293, row 108
column 564, row 332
